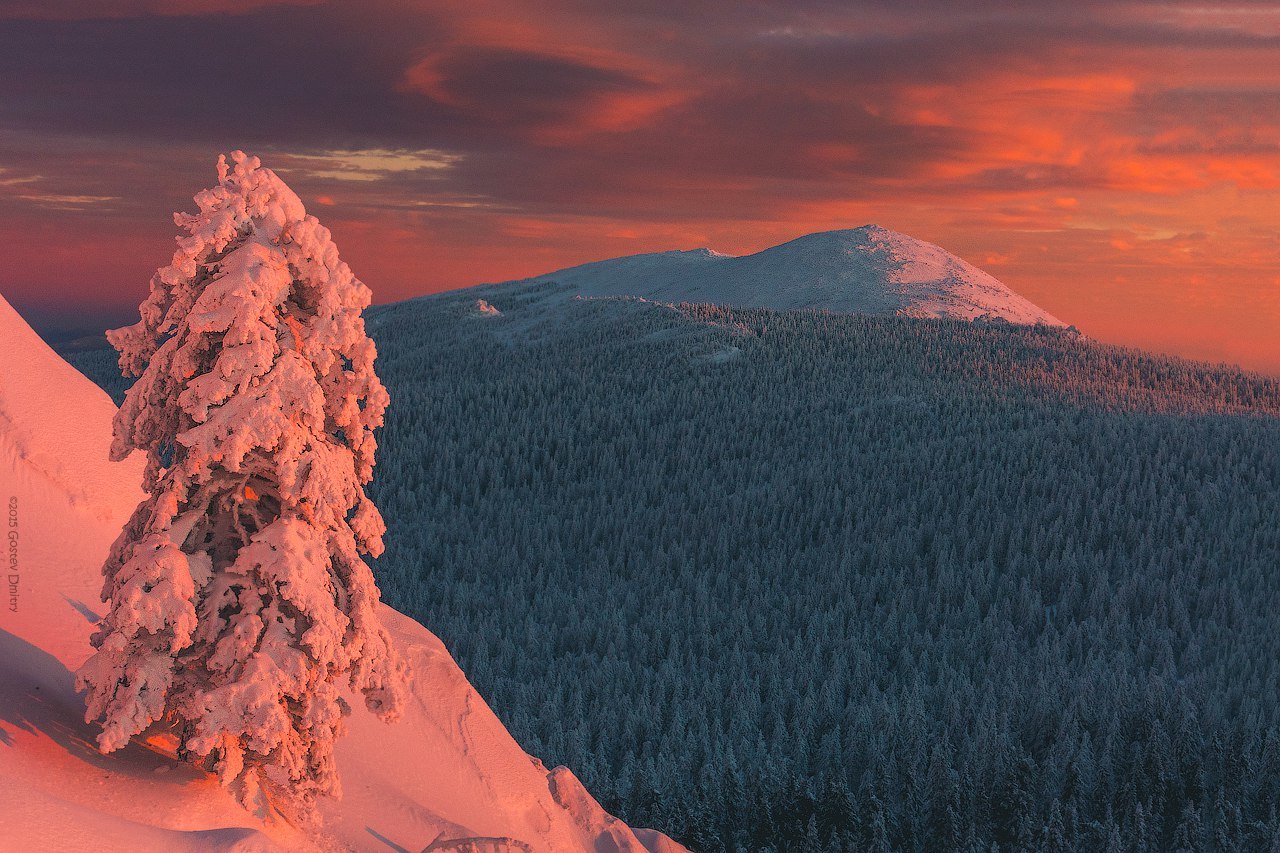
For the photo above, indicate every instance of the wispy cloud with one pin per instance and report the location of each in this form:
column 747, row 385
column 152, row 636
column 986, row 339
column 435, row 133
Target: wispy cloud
column 369, row 164
column 9, row 181
column 66, row 201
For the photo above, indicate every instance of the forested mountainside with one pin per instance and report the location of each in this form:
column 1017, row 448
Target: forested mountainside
column 806, row 581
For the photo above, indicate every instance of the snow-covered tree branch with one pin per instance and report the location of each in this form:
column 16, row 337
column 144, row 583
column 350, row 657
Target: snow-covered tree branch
column 239, row 599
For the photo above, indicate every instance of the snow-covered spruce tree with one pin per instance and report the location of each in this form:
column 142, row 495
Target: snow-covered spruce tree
column 239, row 600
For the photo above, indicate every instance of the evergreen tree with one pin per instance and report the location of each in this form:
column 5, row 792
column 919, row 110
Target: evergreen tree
column 1188, row 837
column 1053, row 838
column 1014, row 806
column 239, row 599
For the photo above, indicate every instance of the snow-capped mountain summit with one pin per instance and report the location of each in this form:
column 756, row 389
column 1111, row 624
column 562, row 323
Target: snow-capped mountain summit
column 867, row 270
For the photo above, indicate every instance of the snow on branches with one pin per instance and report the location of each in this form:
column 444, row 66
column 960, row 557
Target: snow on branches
column 239, row 600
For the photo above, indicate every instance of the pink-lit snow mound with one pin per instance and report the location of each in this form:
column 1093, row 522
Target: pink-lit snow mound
column 448, row 771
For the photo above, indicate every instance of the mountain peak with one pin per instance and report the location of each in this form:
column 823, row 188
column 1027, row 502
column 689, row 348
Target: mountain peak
column 866, row 270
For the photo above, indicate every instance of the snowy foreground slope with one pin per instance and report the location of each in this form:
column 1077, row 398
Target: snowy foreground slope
column 447, row 777
column 867, row 270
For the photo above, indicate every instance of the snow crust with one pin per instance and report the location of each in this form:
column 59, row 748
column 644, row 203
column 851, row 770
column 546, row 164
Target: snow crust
column 867, row 270
column 447, row 772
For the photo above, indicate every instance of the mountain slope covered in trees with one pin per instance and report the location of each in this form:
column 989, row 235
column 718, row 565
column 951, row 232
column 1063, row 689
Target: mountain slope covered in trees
column 808, row 581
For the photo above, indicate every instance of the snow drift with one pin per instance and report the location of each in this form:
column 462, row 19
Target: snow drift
column 447, row 777
column 867, row 270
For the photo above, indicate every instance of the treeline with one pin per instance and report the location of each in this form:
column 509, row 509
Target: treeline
column 807, row 582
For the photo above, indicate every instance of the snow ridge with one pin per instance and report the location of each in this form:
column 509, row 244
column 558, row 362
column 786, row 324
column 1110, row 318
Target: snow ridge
column 867, row 270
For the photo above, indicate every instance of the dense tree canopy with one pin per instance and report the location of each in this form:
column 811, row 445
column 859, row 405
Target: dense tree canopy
column 816, row 582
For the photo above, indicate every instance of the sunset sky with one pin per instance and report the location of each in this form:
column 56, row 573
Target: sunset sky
column 1117, row 163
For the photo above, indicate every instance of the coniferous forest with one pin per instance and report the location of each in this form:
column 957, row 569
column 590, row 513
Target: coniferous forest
column 814, row 582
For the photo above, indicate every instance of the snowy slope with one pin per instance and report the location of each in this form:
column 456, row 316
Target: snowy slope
column 447, row 771
column 867, row 270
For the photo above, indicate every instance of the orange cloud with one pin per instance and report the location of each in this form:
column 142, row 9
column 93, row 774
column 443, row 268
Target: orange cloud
column 1118, row 163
